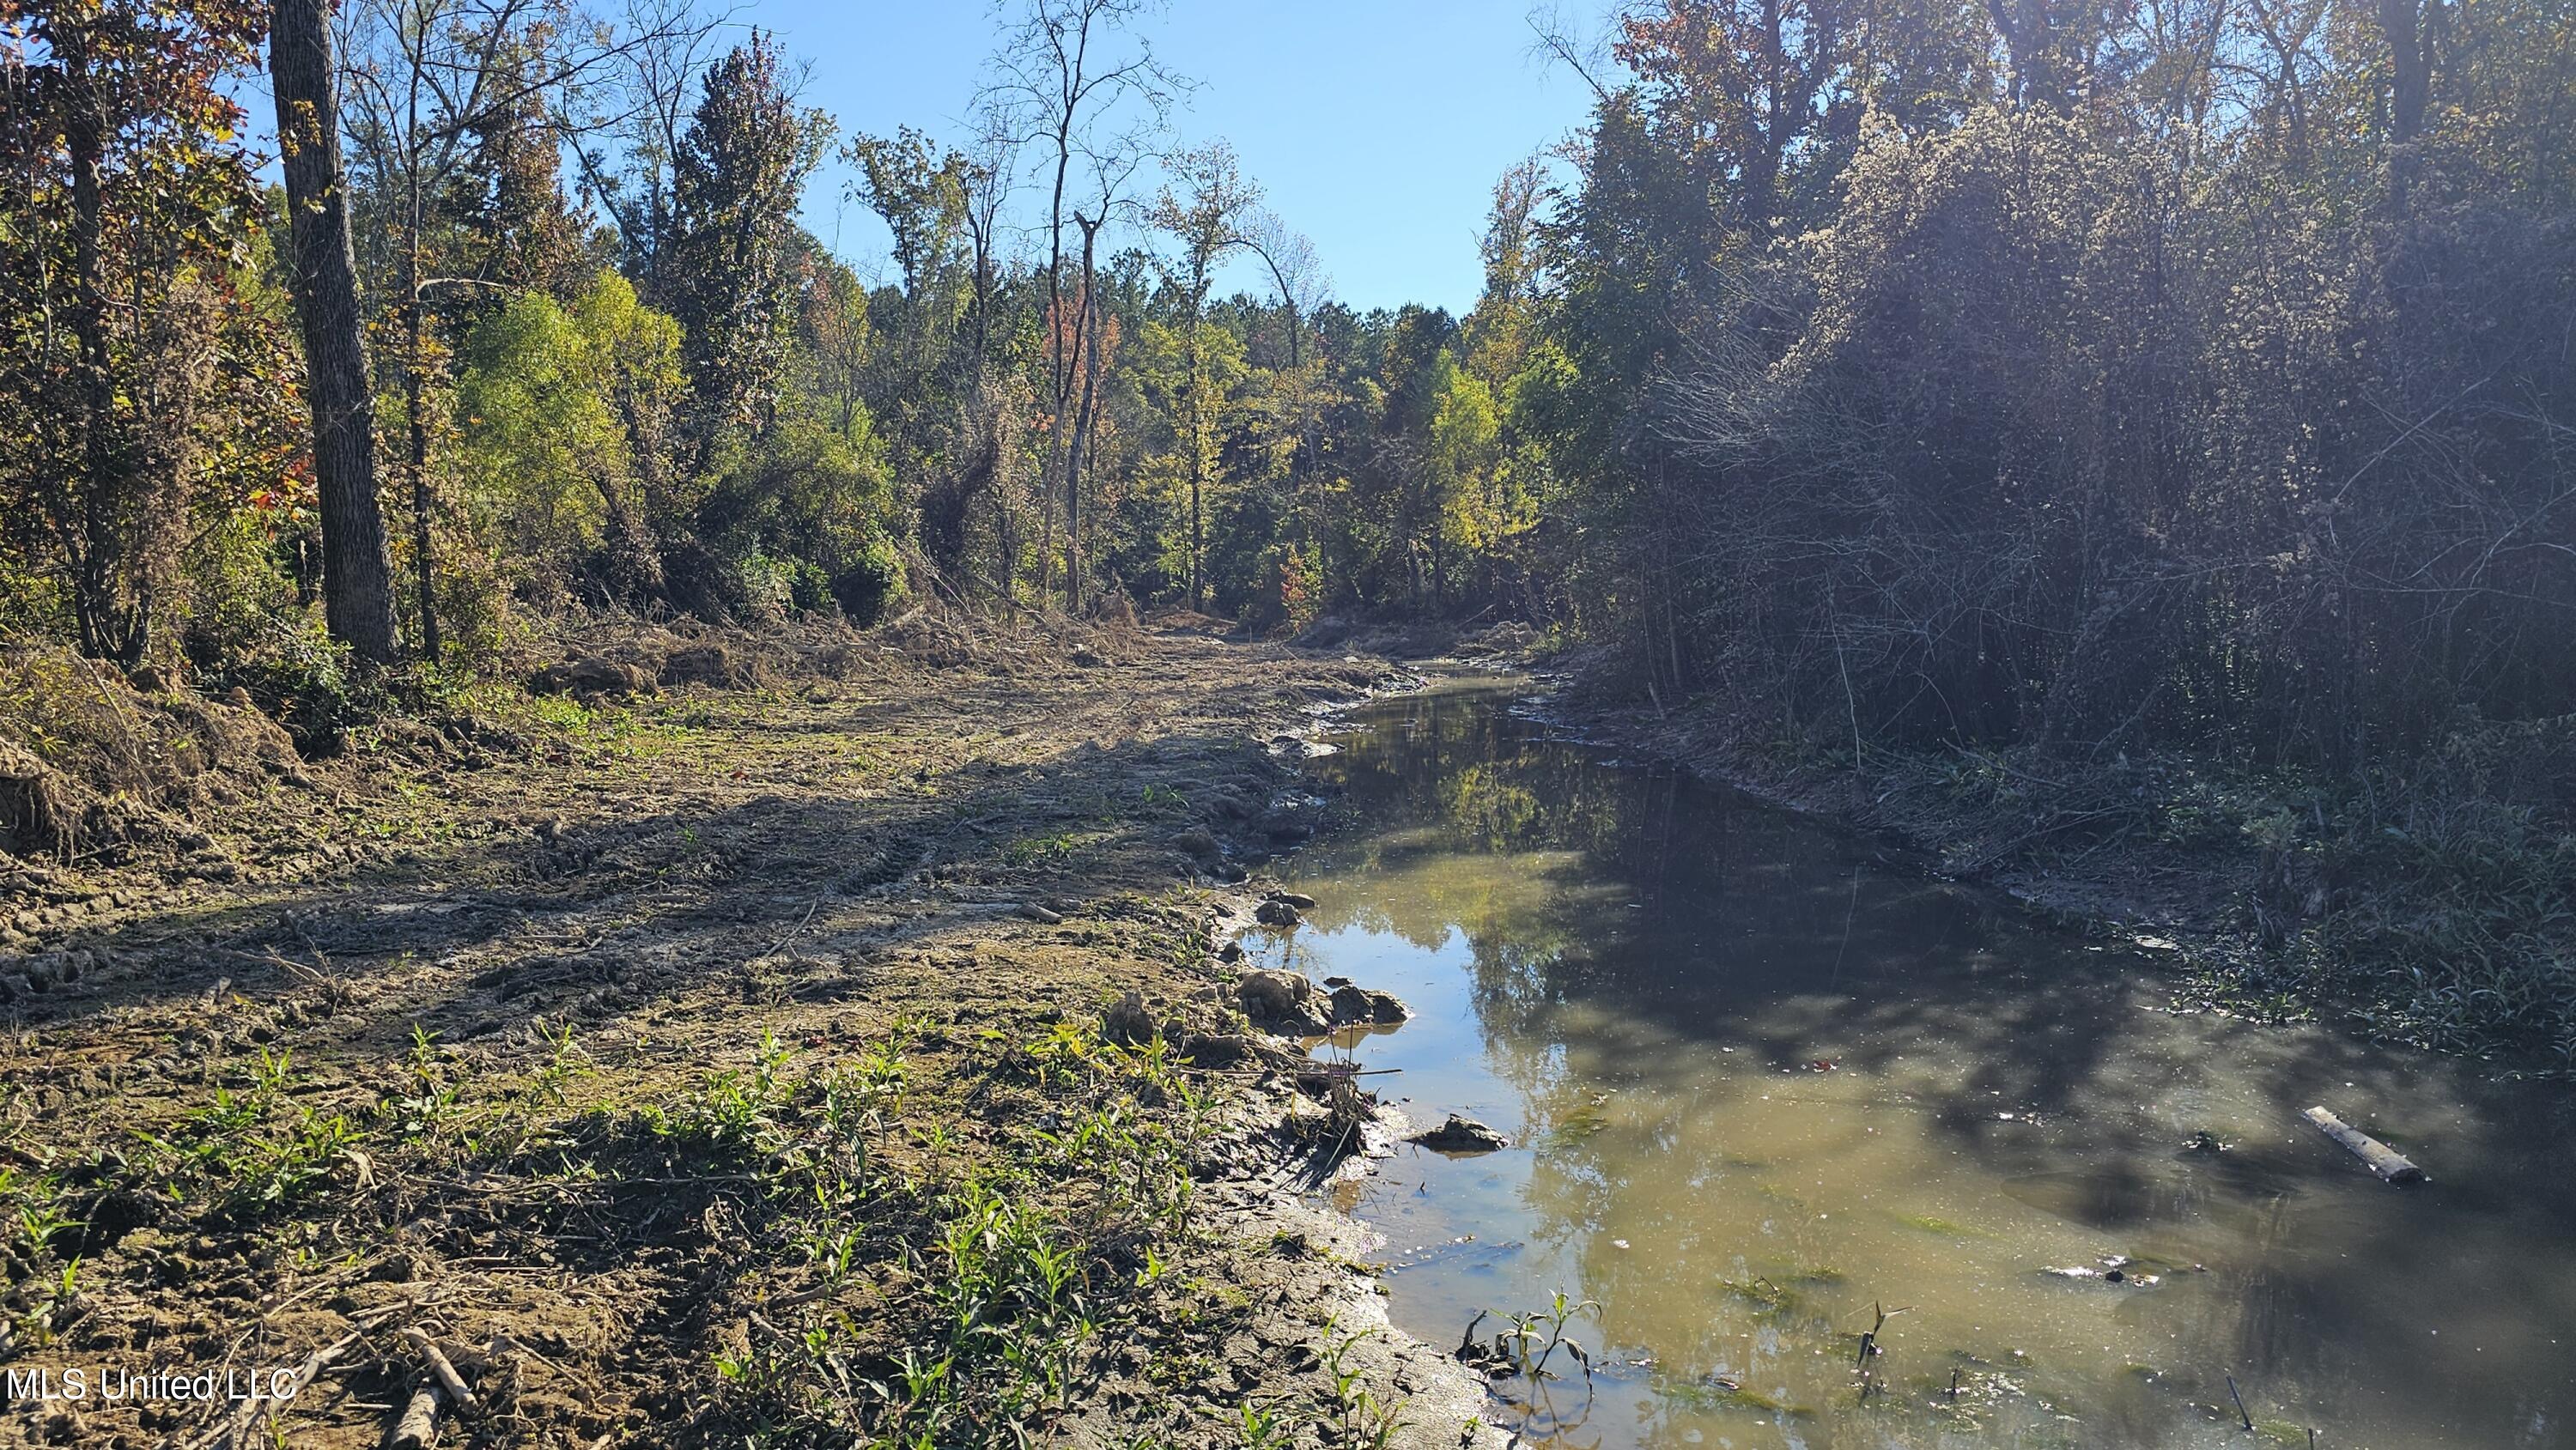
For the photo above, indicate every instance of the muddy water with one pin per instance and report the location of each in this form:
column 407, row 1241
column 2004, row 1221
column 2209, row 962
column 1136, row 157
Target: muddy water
column 1760, row 1079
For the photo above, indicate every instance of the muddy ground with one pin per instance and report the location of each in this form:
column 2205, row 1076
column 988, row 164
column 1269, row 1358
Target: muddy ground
column 739, row 1063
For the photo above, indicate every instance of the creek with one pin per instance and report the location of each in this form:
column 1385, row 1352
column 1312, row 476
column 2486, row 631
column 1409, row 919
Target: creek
column 1764, row 1079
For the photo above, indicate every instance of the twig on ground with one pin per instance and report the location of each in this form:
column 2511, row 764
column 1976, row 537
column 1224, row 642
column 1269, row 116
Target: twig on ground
column 448, row 1379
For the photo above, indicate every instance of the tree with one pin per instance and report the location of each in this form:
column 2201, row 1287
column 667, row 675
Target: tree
column 357, row 575
column 2412, row 31
column 522, row 232
column 454, row 129
column 1294, row 272
column 565, row 410
column 918, row 379
column 920, row 193
column 1204, row 207
column 1461, row 453
column 131, row 205
column 740, row 173
column 1732, row 86
column 1056, row 92
column 641, row 99
column 1498, row 331
column 991, row 172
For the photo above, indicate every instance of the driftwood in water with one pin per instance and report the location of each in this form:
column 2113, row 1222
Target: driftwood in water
column 2385, row 1161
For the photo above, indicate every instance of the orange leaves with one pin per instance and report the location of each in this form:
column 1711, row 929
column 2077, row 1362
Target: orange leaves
column 1072, row 339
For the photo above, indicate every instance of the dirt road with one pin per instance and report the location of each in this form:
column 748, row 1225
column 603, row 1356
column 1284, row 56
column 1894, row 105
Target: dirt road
column 737, row 1064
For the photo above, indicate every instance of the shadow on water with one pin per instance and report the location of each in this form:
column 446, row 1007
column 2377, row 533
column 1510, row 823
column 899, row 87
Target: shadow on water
column 1761, row 1077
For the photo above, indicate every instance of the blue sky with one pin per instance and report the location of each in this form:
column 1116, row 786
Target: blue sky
column 1377, row 127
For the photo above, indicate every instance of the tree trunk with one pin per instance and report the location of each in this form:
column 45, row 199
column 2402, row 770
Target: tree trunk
column 357, row 582
column 1087, row 347
column 2404, row 25
column 1060, row 363
column 1191, row 383
column 416, row 415
column 1084, row 421
column 104, row 633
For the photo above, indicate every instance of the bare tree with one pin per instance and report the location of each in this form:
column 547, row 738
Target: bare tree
column 1294, row 271
column 1077, row 82
column 2286, row 32
column 1298, row 276
column 991, row 177
column 640, row 104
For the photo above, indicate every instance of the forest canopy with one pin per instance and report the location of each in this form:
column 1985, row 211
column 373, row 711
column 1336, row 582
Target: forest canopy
column 1990, row 370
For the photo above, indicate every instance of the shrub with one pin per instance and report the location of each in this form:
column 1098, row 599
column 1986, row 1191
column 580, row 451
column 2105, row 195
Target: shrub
column 870, row 582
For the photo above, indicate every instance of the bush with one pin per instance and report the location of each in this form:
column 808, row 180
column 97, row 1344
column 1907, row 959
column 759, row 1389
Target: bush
column 870, row 582
column 309, row 683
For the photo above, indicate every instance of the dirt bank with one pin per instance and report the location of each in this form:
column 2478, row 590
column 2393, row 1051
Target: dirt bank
column 743, row 1062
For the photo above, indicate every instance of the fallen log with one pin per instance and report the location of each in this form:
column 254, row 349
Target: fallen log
column 418, row 1427
column 2391, row 1165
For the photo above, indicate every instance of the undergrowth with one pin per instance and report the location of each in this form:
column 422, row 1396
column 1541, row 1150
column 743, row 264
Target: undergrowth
column 1024, row 1261
column 2434, row 904
column 886, row 1274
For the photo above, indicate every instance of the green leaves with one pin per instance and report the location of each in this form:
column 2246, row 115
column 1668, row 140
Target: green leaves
column 740, row 172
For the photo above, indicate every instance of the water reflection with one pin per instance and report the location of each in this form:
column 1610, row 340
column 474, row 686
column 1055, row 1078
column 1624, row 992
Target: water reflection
column 1760, row 1080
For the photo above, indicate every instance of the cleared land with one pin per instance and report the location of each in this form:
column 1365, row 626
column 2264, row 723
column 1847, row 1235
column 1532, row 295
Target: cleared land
column 739, row 1060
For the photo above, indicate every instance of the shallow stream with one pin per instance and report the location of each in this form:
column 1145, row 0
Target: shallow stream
column 1762, row 1082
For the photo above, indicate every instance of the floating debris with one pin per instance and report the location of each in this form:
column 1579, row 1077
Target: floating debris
column 2391, row 1165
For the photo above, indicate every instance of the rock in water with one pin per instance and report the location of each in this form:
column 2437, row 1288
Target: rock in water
column 1275, row 913
column 1353, row 1005
column 1283, row 1002
column 1297, row 899
column 1461, row 1135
